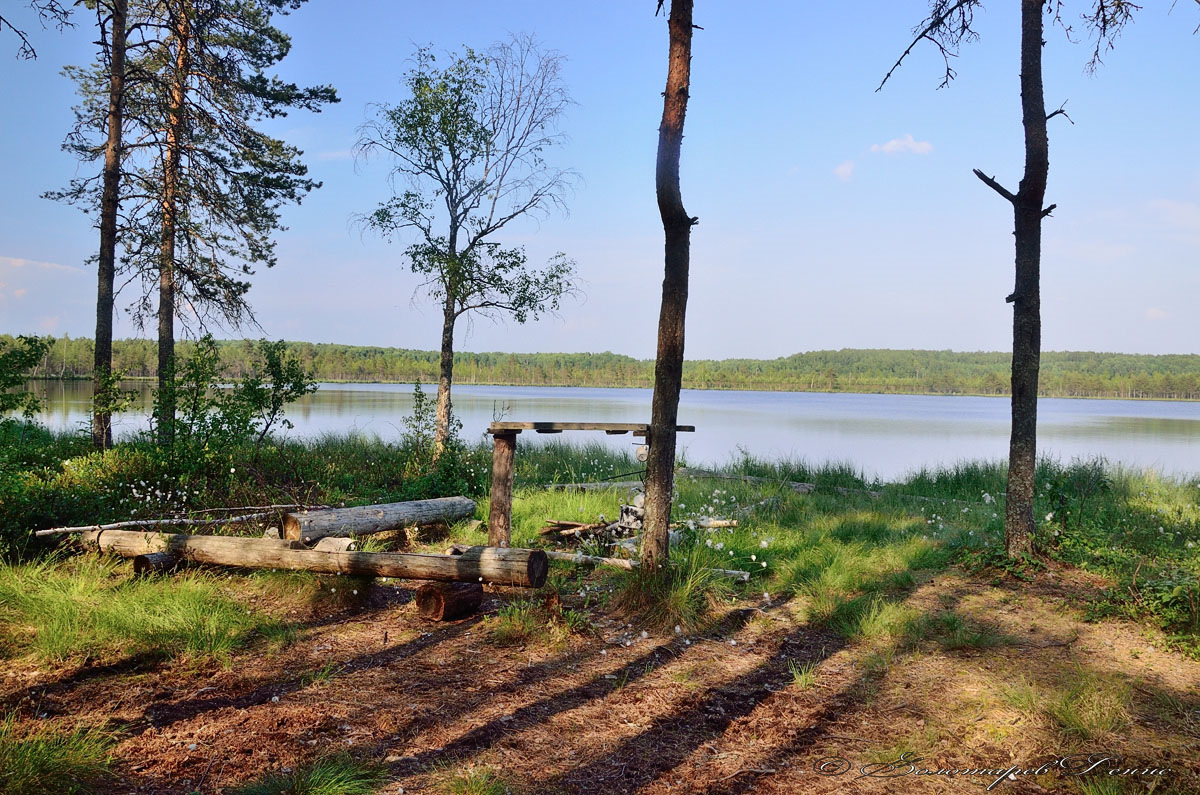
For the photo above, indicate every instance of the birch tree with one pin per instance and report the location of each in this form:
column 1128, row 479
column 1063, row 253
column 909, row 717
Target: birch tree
column 468, row 152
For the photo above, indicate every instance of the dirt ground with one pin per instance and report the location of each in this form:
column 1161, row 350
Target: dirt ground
column 718, row 712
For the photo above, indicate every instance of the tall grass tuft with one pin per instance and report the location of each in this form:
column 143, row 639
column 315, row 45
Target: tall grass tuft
column 682, row 594
column 46, row 761
column 88, row 607
column 331, row 775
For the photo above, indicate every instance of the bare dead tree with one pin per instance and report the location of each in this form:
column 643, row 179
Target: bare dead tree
column 951, row 23
column 677, row 227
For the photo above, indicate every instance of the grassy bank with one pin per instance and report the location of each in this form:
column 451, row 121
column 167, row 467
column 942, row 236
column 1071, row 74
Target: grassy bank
column 875, row 571
column 1139, row 529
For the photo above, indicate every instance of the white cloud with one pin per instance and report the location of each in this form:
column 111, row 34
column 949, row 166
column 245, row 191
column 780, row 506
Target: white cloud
column 17, row 262
column 19, row 292
column 1154, row 313
column 338, row 154
column 48, row 323
column 844, row 170
column 902, row 145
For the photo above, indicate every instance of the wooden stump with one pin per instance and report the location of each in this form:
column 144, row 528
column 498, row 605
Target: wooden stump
column 446, row 601
column 500, row 513
column 155, row 563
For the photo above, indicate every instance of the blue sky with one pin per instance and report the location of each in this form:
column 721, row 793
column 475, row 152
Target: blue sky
column 831, row 216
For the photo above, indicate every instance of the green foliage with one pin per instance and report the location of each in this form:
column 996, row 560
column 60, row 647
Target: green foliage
column 210, row 417
column 17, row 357
column 89, row 608
column 227, row 201
column 47, row 760
column 1062, row 374
column 340, row 774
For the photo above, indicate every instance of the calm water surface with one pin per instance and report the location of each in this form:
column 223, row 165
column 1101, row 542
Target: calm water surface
column 883, row 435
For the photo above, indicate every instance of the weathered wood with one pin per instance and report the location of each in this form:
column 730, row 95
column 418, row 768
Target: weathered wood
column 446, row 601
column 613, row 428
column 519, row 567
column 156, row 523
column 335, row 544
column 500, row 513
column 592, row 560
column 155, row 563
column 558, row 527
column 311, row 526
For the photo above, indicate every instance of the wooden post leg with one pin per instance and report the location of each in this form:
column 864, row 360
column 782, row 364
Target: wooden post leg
column 500, row 515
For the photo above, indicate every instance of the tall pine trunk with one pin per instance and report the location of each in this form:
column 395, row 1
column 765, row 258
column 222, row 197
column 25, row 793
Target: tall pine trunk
column 170, row 207
column 1026, row 297
column 677, row 225
column 106, row 260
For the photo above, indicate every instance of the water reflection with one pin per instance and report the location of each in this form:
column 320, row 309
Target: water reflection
column 885, row 435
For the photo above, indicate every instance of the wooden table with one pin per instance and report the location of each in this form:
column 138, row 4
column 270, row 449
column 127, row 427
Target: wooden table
column 504, row 436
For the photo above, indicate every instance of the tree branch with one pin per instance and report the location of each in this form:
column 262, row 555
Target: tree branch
column 996, row 186
column 935, row 22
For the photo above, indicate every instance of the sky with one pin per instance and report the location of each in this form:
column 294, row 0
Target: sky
column 831, row 215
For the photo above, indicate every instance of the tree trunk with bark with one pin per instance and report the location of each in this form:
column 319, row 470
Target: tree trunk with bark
column 445, row 378
column 1027, row 317
column 677, row 225
column 107, row 257
column 170, row 206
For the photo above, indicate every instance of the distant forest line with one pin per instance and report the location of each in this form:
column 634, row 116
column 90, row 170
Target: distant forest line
column 1063, row 374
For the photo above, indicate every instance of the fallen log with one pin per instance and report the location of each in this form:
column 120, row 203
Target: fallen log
column 593, row 560
column 524, row 568
column 156, row 523
column 446, row 601
column 564, row 528
column 310, row 526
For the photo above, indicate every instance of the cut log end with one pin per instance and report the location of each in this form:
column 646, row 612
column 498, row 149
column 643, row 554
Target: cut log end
column 155, row 563
column 447, row 601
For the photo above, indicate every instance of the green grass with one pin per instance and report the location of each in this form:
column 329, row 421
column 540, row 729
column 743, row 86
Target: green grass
column 476, row 781
column 804, row 677
column 516, row 623
column 680, row 595
column 1090, row 707
column 46, row 760
column 331, row 775
column 1087, row 707
column 86, row 607
column 824, row 548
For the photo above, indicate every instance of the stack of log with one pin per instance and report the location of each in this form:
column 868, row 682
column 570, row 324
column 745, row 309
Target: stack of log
column 318, row 541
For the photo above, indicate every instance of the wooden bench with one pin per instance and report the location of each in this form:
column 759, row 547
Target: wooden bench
column 504, row 436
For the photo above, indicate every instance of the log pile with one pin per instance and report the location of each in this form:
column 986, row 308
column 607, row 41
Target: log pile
column 524, row 568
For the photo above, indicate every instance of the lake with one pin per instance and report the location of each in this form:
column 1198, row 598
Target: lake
column 882, row 435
